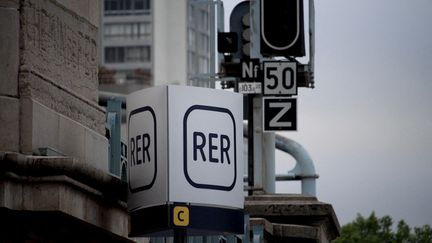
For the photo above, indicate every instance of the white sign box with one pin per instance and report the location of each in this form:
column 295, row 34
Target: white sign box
column 185, row 145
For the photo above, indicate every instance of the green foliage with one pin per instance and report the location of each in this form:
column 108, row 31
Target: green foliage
column 380, row 230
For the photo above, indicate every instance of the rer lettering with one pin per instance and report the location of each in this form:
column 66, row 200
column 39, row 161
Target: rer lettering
column 139, row 147
column 207, row 147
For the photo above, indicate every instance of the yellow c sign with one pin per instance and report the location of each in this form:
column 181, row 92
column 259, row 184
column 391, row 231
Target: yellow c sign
column 181, row 216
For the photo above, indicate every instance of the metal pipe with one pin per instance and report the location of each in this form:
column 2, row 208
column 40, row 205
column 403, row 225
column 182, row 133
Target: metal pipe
column 105, row 96
column 286, row 177
column 304, row 169
column 312, row 42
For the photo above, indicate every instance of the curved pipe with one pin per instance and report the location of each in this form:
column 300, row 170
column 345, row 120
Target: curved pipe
column 304, row 169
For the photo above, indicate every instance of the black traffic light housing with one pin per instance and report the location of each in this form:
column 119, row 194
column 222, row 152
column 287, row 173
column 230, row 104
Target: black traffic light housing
column 282, row 28
column 239, row 23
column 227, row 42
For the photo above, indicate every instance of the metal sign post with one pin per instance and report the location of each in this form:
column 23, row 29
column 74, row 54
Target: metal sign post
column 180, row 236
column 264, row 143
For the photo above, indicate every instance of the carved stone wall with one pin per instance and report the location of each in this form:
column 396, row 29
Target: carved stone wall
column 49, row 79
column 60, row 45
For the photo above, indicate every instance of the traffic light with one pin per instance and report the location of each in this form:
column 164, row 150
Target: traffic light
column 282, row 31
column 240, row 23
column 227, row 42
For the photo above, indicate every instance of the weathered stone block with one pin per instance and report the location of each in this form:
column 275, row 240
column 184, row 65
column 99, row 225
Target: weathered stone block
column 10, row 4
column 68, row 197
column 26, row 125
column 9, row 125
column 62, row 100
column 60, row 45
column 72, row 202
column 41, row 198
column 10, row 195
column 46, row 124
column 72, row 138
column 85, row 9
column 115, row 222
column 9, row 50
column 94, row 155
column 92, row 213
column 43, row 127
column 94, row 8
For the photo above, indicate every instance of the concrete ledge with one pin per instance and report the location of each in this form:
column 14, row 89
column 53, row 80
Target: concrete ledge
column 76, row 192
column 287, row 230
column 50, row 226
column 42, row 166
column 294, row 215
column 279, row 205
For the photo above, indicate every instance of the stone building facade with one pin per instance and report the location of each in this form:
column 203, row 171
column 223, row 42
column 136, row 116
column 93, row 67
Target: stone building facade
column 54, row 180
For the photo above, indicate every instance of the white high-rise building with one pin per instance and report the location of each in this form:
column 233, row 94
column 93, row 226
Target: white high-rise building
column 152, row 42
column 126, row 32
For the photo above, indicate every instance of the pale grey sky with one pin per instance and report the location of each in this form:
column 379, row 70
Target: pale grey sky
column 368, row 122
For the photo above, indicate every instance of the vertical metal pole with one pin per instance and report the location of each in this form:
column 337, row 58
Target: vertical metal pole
column 213, row 36
column 258, row 234
column 221, row 28
column 114, row 115
column 246, row 238
column 268, row 153
column 312, row 41
column 250, row 142
column 264, row 149
column 257, row 142
column 180, row 236
column 255, row 125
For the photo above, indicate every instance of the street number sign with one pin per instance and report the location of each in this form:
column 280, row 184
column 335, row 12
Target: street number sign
column 250, row 88
column 280, row 78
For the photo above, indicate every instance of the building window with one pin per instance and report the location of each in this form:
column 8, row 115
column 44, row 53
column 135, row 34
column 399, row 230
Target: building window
column 203, row 65
column 114, row 54
column 127, row 30
column 122, row 54
column 192, row 40
column 137, row 54
column 142, row 4
column 203, row 43
column 203, row 20
column 125, row 7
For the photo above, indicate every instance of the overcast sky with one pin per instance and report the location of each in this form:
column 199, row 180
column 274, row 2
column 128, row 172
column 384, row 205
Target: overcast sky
column 368, row 122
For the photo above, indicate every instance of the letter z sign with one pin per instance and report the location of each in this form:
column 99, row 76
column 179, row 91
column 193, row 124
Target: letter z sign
column 279, row 114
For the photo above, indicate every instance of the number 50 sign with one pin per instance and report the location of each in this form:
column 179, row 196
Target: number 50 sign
column 280, row 78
